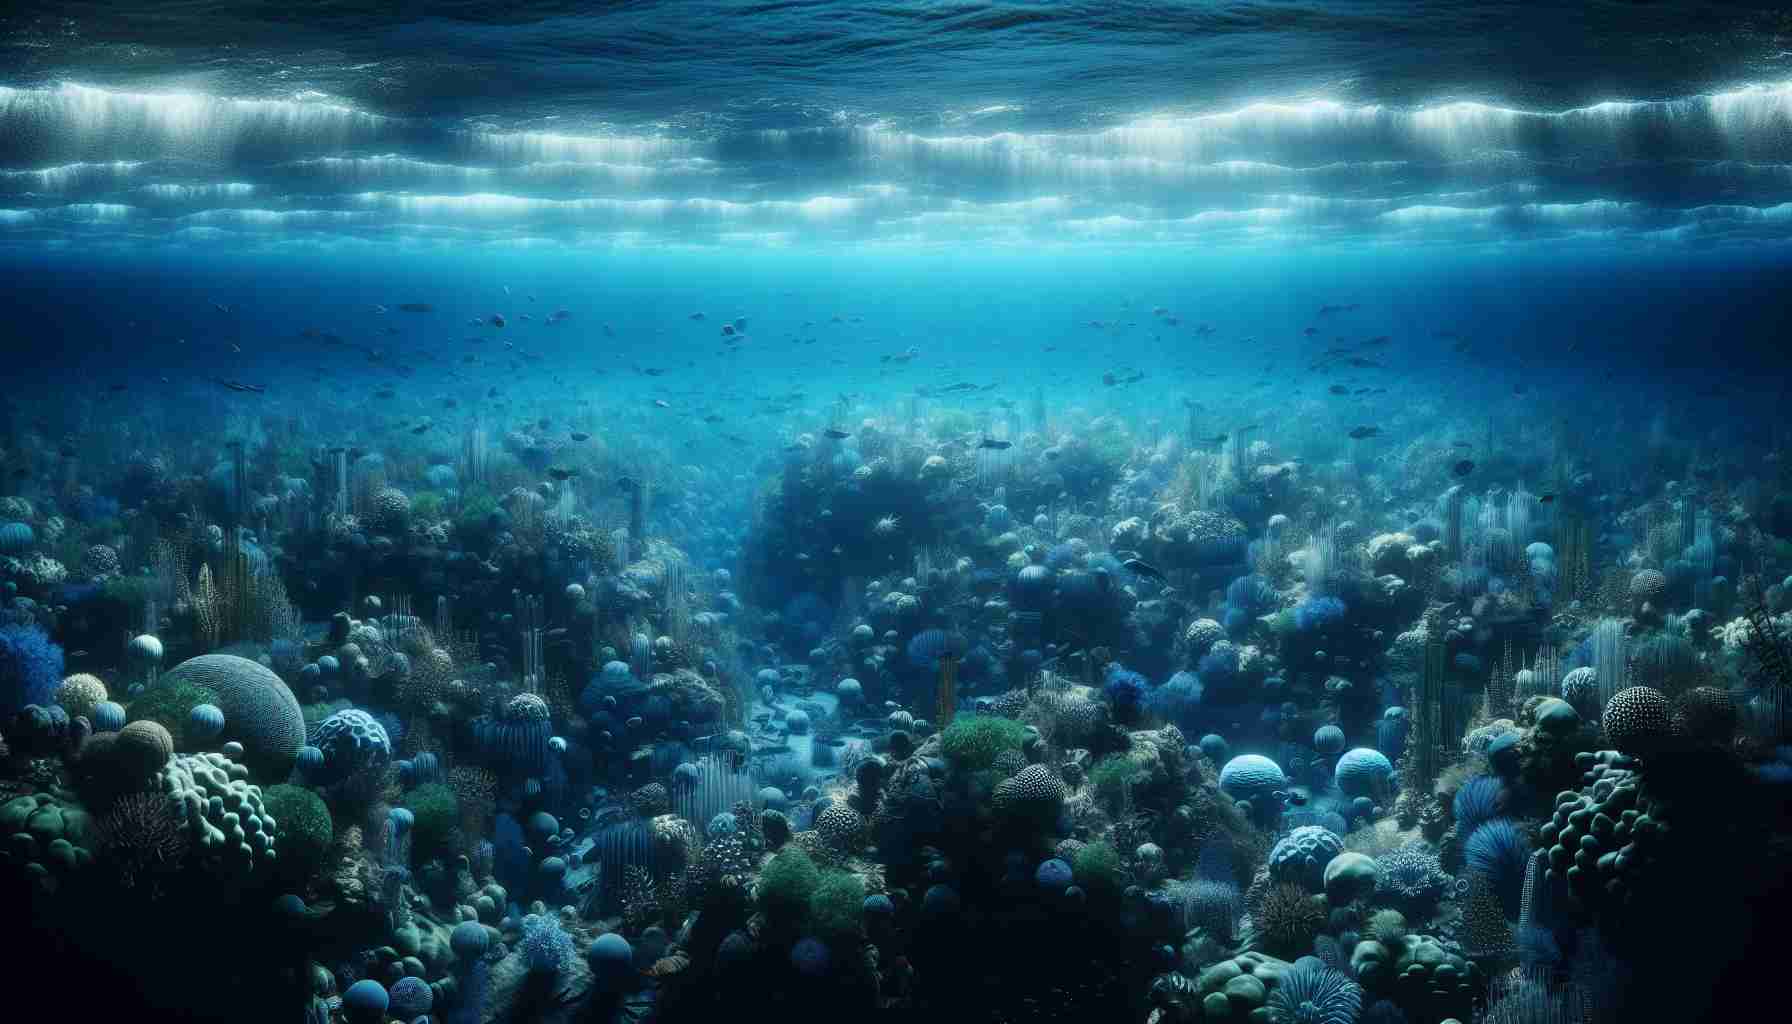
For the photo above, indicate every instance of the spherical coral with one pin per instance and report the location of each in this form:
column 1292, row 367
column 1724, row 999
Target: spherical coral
column 1300, row 857
column 1638, row 720
column 1648, row 585
column 1287, row 919
column 260, row 711
column 142, row 749
column 1201, row 635
column 1411, row 878
column 1035, row 793
column 1363, row 771
column 79, row 693
column 1580, row 688
column 840, row 826
column 1251, row 776
column 352, row 742
column 391, row 510
column 1312, row 993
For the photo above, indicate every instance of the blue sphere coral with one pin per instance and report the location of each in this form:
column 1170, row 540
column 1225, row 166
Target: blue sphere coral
column 1053, row 875
column 205, row 723
column 1125, row 690
column 30, row 668
column 108, row 716
column 1328, row 740
column 352, row 741
column 410, row 998
column 1362, row 772
column 469, row 940
column 1300, row 856
column 16, row 538
column 612, row 962
column 366, row 1000
column 1318, row 613
column 1249, row 776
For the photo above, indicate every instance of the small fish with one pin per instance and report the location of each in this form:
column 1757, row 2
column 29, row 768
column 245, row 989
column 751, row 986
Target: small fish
column 116, row 388
column 1216, row 439
column 497, row 320
column 1462, row 444
column 561, row 473
column 1338, row 389
column 712, row 418
column 1309, row 331
column 421, row 428
column 579, row 435
column 836, row 433
column 1463, row 468
column 385, row 393
column 697, row 316
column 1329, row 310
column 220, row 307
column 994, row 445
column 661, row 403
column 1364, row 432
column 416, row 307
column 1547, row 499
column 1144, row 568
column 652, row 372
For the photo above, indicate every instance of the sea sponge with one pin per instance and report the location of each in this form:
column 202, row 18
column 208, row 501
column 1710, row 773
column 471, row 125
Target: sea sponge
column 786, row 884
column 260, row 712
column 1035, row 794
column 306, row 830
column 1249, row 776
column 1363, row 771
column 352, row 742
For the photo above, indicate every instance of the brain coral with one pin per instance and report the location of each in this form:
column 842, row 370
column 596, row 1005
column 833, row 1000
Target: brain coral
column 1299, row 858
column 1362, row 771
column 1251, row 775
column 353, row 741
column 260, row 712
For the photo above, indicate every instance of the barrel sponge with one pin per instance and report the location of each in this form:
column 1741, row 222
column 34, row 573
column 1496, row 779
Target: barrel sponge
column 79, row 693
column 221, row 811
column 1300, row 857
column 1251, row 775
column 1638, row 720
column 260, row 712
column 143, row 749
column 1361, row 771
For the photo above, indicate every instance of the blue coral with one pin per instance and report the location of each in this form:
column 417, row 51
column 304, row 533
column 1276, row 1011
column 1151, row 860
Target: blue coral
column 545, row 946
column 1125, row 689
column 30, row 668
column 1478, row 800
column 1316, row 613
column 1178, row 700
column 1497, row 851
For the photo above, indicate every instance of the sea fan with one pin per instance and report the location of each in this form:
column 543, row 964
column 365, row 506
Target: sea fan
column 1312, row 993
column 1480, row 799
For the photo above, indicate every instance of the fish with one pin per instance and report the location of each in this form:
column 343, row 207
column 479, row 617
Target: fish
column 1141, row 567
column 836, row 433
column 497, row 320
column 1329, row 310
column 416, row 307
column 712, row 418
column 421, row 428
column 240, row 386
column 652, row 372
column 1309, row 331
column 385, row 393
column 1215, row 439
column 1338, row 389
column 1546, row 499
column 579, row 435
column 960, row 386
column 220, row 307
column 661, row 403
column 1462, row 444
column 1363, row 363
column 116, row 388
column 697, row 316
column 994, row 445
column 1364, row 432
column 1375, row 342
column 1463, row 468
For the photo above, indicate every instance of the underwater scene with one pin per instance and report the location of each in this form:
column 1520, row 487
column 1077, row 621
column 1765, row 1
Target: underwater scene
column 1138, row 513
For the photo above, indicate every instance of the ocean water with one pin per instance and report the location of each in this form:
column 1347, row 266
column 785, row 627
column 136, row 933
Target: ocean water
column 1007, row 512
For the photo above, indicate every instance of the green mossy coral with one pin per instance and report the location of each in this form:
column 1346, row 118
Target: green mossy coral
column 306, row 830
column 171, row 704
column 786, row 885
column 436, row 815
column 837, row 905
column 1097, row 867
column 1110, row 778
column 972, row 744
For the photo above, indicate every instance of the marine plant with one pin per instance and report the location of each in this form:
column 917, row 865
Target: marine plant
column 30, row 668
column 786, row 885
column 305, row 827
column 1098, row 868
column 837, row 905
column 437, row 813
